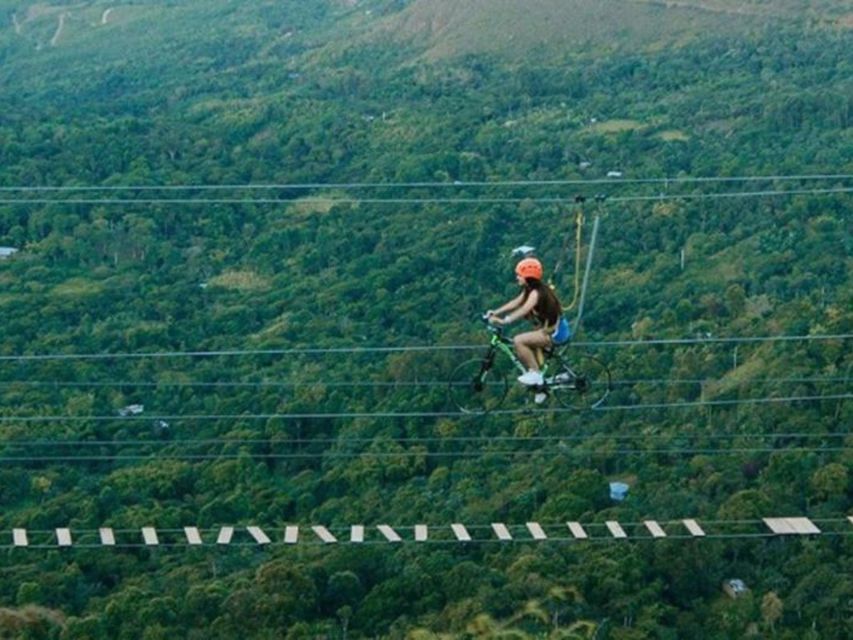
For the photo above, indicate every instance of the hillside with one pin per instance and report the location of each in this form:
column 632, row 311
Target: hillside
column 278, row 224
column 552, row 28
column 120, row 46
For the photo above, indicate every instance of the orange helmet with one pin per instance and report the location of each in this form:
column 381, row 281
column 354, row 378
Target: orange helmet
column 529, row 268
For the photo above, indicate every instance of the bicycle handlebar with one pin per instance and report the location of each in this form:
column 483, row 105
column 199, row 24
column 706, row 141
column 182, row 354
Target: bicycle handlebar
column 492, row 328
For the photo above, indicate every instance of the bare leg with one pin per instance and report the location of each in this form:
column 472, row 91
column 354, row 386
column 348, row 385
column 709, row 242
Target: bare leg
column 528, row 344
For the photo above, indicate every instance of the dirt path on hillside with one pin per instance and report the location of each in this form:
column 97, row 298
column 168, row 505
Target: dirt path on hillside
column 59, row 28
column 741, row 10
column 825, row 18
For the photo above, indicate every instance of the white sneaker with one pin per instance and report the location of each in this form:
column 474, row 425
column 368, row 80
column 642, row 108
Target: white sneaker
column 539, row 398
column 530, row 378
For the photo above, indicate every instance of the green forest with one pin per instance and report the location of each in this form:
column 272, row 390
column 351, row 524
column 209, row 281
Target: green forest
column 274, row 226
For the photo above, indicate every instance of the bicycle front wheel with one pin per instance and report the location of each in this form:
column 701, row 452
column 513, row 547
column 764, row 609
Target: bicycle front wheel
column 477, row 386
column 584, row 384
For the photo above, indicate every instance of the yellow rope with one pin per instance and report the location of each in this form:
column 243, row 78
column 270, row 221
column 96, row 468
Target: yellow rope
column 578, row 231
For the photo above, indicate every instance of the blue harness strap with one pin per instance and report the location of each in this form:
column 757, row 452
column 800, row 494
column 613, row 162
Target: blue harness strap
column 562, row 333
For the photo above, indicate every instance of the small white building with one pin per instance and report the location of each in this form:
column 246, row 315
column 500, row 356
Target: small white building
column 131, row 410
column 735, row 587
column 7, row 252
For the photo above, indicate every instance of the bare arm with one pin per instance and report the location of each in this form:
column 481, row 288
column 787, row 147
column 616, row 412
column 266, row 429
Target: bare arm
column 509, row 306
column 518, row 310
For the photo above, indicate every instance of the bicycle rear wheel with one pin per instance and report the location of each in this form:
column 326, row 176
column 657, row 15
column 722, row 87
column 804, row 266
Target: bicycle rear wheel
column 584, row 384
column 478, row 386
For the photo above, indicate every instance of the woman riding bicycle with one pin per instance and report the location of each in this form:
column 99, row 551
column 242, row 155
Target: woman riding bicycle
column 538, row 303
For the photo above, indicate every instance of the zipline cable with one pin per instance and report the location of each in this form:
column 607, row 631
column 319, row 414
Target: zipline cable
column 412, row 185
column 344, row 440
column 408, row 453
column 398, row 201
column 421, row 414
column 58, row 384
column 412, row 348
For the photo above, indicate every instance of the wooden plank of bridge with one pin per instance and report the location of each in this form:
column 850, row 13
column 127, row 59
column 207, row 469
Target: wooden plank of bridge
column 356, row 533
column 421, row 533
column 225, row 535
column 389, row 533
column 291, row 534
column 460, row 532
column 803, row 526
column 501, row 531
column 324, row 534
column 193, row 535
column 149, row 535
column 63, row 537
column 536, row 531
column 258, row 534
column 616, row 529
column 655, row 529
column 791, row 526
column 779, row 526
column 108, row 538
column 19, row 538
column 577, row 530
column 694, row 528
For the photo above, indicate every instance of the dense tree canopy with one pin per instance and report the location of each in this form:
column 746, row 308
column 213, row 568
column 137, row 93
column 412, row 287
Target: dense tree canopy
column 256, row 436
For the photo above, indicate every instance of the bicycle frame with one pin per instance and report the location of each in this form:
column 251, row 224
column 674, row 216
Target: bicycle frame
column 479, row 385
column 499, row 343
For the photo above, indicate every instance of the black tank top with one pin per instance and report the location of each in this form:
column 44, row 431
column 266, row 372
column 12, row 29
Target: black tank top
column 548, row 309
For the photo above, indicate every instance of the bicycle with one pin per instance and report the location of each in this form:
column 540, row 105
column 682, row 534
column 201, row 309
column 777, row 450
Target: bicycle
column 480, row 385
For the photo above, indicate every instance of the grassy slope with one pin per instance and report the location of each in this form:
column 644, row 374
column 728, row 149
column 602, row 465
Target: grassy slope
column 553, row 27
column 149, row 41
column 140, row 46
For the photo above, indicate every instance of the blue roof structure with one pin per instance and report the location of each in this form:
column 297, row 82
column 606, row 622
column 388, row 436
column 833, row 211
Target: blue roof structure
column 618, row 491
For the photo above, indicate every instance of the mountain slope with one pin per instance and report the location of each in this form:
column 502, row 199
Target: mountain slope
column 112, row 50
column 550, row 28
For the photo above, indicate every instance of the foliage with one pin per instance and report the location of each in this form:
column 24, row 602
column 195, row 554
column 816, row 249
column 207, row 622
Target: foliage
column 284, row 93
